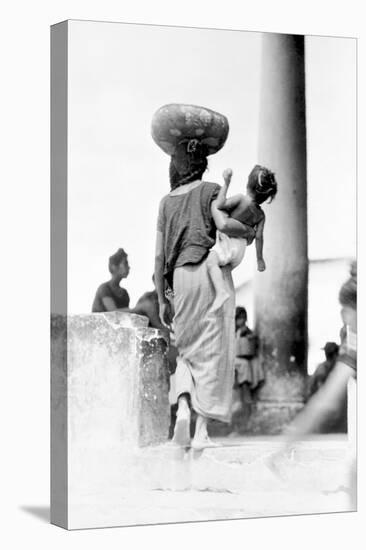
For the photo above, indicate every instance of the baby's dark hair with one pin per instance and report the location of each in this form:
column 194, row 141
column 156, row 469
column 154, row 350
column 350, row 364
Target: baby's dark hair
column 262, row 184
column 116, row 259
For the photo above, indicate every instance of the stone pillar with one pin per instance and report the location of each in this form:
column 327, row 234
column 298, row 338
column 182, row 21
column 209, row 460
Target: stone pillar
column 281, row 291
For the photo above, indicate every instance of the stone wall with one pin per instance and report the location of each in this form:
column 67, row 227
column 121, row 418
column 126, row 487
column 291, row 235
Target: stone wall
column 109, row 397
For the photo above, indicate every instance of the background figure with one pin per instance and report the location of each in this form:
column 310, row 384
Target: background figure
column 322, row 371
column 148, row 305
column 110, row 295
column 337, row 423
column 248, row 371
column 249, row 374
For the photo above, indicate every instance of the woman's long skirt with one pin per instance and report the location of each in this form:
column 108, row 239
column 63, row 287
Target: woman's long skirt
column 205, row 338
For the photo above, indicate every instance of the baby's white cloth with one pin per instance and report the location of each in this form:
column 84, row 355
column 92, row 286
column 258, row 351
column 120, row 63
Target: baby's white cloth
column 230, row 250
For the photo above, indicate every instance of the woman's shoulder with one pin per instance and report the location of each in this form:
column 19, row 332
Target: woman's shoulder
column 210, row 189
column 163, row 200
column 210, row 185
column 162, row 203
column 205, row 188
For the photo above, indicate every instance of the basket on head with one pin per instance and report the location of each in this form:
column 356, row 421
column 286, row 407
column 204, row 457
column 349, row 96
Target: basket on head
column 176, row 123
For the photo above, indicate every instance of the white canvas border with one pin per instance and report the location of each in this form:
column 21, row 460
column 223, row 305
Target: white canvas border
column 32, row 30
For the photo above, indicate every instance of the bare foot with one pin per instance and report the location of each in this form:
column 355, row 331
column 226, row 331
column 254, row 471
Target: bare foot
column 182, row 436
column 201, row 440
column 200, row 443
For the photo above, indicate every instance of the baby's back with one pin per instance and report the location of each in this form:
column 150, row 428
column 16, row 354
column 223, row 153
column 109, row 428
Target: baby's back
column 247, row 211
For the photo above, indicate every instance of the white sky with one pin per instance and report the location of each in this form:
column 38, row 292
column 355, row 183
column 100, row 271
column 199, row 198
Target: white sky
column 119, row 75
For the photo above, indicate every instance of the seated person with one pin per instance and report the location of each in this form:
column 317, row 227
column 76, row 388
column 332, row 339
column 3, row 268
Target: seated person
column 322, row 371
column 148, row 305
column 110, row 296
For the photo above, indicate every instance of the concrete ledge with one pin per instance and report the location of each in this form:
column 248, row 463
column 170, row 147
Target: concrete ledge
column 109, row 378
column 123, row 319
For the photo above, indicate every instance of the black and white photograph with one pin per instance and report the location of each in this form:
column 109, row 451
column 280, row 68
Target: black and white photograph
column 182, row 226
column 203, row 274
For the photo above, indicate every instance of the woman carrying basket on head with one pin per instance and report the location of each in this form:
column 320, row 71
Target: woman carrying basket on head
column 186, row 231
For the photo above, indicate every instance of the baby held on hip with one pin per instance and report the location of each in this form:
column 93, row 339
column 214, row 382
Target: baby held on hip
column 246, row 209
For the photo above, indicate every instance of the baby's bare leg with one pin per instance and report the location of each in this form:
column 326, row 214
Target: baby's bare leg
column 217, row 279
column 221, row 198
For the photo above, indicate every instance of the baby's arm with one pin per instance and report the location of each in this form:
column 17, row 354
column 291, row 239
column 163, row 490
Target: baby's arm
column 259, row 245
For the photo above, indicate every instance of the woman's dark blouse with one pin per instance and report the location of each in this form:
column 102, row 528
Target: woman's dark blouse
column 187, row 226
column 119, row 295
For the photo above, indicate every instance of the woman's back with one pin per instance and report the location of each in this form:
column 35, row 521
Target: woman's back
column 186, row 223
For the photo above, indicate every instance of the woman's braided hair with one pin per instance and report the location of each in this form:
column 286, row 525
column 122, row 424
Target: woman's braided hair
column 188, row 163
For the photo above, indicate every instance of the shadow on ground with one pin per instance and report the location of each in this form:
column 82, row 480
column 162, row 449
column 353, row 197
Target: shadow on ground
column 40, row 512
